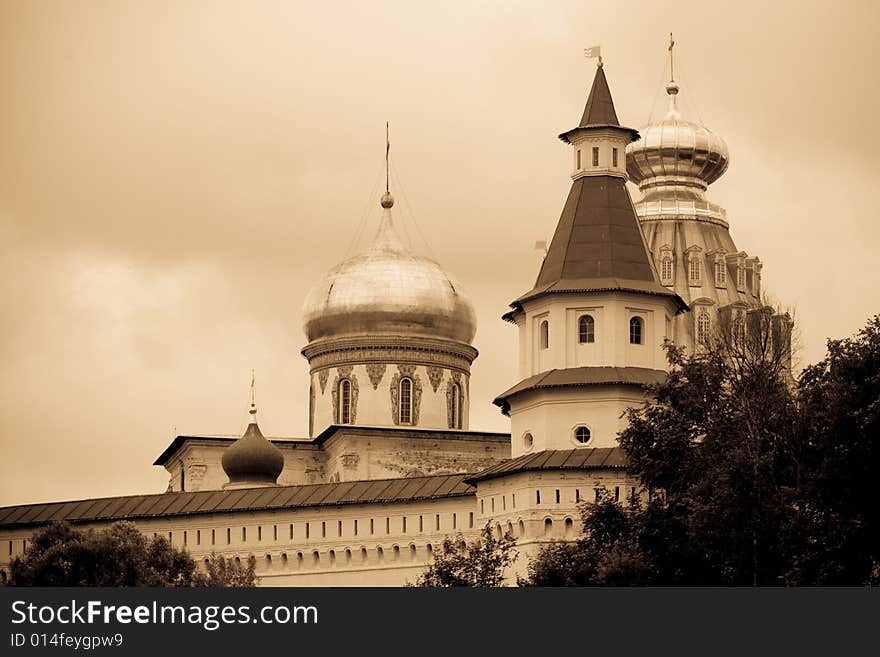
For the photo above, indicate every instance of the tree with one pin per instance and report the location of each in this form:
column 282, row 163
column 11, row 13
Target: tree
column 719, row 440
column 837, row 509
column 222, row 572
column 60, row 554
column 480, row 563
column 607, row 554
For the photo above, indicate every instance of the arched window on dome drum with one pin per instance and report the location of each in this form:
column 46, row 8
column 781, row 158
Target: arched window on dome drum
column 695, row 269
column 703, row 328
column 720, row 273
column 739, row 328
column 344, row 402
column 635, row 330
column 586, row 329
column 545, row 334
column 406, row 400
column 666, row 269
column 456, row 406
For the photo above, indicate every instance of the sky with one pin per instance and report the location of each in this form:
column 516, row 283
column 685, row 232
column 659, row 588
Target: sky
column 175, row 175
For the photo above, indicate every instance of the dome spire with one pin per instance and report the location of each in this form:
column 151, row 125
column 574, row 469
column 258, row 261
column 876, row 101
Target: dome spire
column 252, row 409
column 387, row 201
column 672, row 86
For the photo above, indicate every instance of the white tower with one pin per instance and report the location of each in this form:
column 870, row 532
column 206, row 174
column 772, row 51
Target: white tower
column 591, row 331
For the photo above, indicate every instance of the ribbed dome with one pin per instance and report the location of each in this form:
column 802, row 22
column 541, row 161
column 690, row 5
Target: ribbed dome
column 674, row 151
column 387, row 290
column 252, row 460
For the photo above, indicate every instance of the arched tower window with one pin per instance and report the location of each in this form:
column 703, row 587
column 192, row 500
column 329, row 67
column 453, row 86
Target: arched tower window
column 586, row 329
column 635, row 330
column 739, row 327
column 666, row 269
column 703, row 327
column 456, row 406
column 344, row 402
column 720, row 273
column 695, row 269
column 545, row 334
column 406, row 386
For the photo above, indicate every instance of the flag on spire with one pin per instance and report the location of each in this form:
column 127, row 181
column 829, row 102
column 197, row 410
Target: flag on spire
column 593, row 52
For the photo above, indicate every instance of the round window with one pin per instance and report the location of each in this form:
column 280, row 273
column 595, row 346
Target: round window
column 582, row 435
column 528, row 441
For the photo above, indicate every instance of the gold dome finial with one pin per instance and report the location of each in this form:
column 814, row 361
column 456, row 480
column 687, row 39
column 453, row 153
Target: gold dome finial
column 387, row 199
column 672, row 86
column 252, row 409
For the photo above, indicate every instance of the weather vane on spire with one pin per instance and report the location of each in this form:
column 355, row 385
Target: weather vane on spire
column 253, row 408
column 594, row 52
column 671, row 66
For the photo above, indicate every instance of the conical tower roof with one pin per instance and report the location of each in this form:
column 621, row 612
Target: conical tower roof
column 598, row 244
column 599, row 111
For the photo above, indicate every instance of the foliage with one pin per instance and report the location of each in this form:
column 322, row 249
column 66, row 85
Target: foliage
column 60, row 554
column 838, row 511
column 480, row 563
column 222, row 572
column 751, row 478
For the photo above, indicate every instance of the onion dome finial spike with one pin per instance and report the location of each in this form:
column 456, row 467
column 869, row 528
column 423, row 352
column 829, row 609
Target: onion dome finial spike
column 672, row 87
column 252, row 409
column 387, row 201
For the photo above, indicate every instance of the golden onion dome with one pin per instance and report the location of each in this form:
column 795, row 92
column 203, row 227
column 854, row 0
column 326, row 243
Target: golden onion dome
column 388, row 290
column 675, row 151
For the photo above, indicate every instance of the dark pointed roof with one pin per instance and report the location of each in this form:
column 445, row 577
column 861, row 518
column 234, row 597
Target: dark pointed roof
column 598, row 245
column 599, row 111
column 600, row 106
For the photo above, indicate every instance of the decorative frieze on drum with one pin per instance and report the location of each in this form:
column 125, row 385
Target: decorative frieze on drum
column 322, row 379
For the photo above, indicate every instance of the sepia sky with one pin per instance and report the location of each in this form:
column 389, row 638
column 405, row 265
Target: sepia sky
column 175, row 175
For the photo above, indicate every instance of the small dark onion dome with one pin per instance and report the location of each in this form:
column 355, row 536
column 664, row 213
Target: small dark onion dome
column 252, row 460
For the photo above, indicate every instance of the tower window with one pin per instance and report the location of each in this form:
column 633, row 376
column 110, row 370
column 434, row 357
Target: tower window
column 582, row 435
column 406, row 400
column 614, row 157
column 720, row 273
column 345, row 402
column 739, row 328
column 545, row 334
column 595, row 156
column 579, row 158
column 695, row 269
column 703, row 327
column 666, row 269
column 586, row 329
column 635, row 330
column 456, row 406
column 741, row 277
